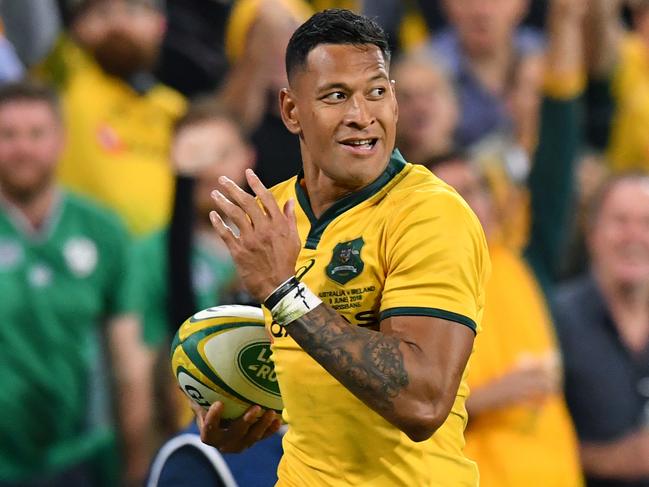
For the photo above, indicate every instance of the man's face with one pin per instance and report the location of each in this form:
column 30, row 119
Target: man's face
column 619, row 238
column 123, row 36
column 31, row 141
column 428, row 108
column 229, row 156
column 342, row 105
column 484, row 25
column 465, row 180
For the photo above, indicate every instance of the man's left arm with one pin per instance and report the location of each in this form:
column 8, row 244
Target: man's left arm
column 408, row 372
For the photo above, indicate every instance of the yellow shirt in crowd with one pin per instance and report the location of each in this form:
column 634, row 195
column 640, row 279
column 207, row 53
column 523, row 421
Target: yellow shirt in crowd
column 629, row 143
column 405, row 245
column 519, row 445
column 117, row 140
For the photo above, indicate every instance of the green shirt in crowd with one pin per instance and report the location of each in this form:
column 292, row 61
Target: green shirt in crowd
column 212, row 273
column 58, row 286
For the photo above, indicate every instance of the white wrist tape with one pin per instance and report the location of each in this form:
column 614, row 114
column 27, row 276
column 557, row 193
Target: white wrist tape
column 297, row 302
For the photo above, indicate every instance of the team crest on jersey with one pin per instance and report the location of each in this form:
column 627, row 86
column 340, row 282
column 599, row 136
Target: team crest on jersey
column 346, row 261
column 80, row 256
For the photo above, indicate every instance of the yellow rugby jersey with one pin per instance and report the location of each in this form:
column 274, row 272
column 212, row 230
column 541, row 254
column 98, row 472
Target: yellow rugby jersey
column 407, row 244
column 118, row 141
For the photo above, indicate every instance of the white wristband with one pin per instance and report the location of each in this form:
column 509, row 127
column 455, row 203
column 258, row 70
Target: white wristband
column 298, row 302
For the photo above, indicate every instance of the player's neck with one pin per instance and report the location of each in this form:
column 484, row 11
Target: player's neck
column 35, row 208
column 324, row 192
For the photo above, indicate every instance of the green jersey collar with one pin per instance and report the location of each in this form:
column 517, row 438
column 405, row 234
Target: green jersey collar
column 318, row 225
column 23, row 226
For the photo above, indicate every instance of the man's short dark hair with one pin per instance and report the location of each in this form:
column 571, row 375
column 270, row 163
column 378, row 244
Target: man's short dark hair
column 333, row 26
column 28, row 90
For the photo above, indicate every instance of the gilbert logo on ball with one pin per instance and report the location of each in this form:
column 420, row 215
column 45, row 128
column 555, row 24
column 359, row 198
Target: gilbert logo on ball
column 223, row 354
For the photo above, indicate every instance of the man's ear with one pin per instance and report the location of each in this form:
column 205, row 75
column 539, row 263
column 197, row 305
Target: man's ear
column 289, row 111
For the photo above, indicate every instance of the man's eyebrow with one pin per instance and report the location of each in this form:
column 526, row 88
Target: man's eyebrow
column 379, row 76
column 332, row 86
column 345, row 87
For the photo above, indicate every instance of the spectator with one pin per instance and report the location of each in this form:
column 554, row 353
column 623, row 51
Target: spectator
column 257, row 37
column 63, row 281
column 208, row 143
column 185, row 268
column 603, row 325
column 520, row 431
column 434, row 14
column 118, row 116
column 428, row 109
column 494, row 66
column 619, row 56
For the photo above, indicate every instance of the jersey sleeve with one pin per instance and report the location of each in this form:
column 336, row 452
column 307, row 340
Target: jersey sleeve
column 437, row 260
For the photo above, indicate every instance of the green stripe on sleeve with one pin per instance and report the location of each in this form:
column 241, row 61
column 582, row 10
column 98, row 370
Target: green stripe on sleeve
column 432, row 312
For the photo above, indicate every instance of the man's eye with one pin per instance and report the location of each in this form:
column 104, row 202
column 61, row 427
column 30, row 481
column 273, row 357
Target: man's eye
column 377, row 92
column 335, row 96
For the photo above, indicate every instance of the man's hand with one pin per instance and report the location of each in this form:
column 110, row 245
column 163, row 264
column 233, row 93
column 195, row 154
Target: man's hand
column 239, row 434
column 530, row 382
column 267, row 244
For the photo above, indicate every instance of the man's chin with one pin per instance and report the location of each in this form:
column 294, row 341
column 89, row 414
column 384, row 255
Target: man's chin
column 24, row 193
column 631, row 279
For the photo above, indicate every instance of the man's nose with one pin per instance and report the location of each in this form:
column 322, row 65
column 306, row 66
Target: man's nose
column 359, row 113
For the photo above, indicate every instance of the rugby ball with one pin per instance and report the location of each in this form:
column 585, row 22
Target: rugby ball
column 223, row 354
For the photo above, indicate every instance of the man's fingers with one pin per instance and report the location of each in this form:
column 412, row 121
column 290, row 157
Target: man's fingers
column 238, row 429
column 223, row 231
column 259, row 429
column 242, row 199
column 265, row 196
column 231, row 211
column 200, row 414
column 273, row 428
column 289, row 213
column 211, row 430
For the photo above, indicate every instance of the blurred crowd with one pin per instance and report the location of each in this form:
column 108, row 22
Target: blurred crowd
column 117, row 117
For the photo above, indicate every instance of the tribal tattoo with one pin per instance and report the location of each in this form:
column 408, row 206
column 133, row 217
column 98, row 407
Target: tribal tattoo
column 368, row 363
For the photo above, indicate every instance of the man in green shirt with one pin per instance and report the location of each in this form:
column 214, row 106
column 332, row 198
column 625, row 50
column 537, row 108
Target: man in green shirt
column 63, row 284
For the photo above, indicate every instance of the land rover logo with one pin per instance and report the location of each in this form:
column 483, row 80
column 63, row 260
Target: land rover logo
column 255, row 363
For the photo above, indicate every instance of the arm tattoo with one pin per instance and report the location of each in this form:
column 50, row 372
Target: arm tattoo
column 368, row 363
